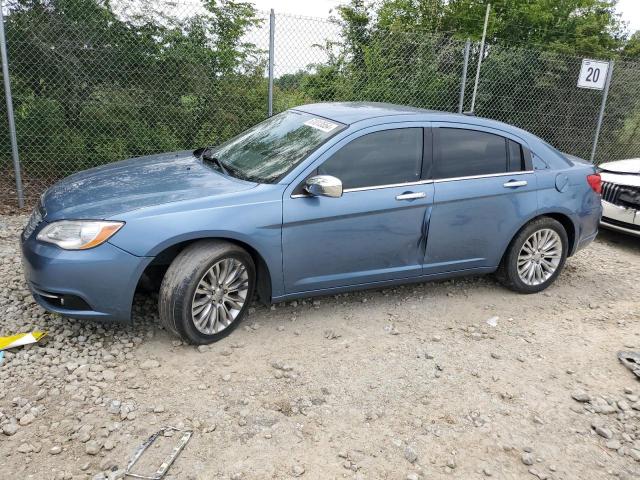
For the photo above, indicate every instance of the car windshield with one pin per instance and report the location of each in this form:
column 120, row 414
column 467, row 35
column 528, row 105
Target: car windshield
column 269, row 150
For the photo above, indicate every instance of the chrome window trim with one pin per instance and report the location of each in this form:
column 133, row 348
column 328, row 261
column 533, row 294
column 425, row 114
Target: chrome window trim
column 389, row 185
column 491, row 175
column 424, row 182
column 375, row 187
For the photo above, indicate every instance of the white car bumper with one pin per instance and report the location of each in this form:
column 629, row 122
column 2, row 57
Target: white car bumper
column 621, row 219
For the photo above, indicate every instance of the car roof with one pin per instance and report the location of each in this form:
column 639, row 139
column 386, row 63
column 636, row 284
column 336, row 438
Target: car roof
column 352, row 112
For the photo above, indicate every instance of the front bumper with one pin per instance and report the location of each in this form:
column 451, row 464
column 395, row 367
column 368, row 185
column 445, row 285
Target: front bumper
column 88, row 284
column 619, row 218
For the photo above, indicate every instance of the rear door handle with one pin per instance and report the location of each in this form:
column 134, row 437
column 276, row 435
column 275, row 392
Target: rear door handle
column 411, row 196
column 515, row 183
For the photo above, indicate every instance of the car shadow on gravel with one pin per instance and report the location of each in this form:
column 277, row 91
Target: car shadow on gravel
column 621, row 240
column 146, row 322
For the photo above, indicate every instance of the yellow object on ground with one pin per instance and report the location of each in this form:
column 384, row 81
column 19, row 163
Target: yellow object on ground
column 20, row 339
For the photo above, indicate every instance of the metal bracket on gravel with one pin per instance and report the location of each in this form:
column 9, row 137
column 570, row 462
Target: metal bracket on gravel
column 162, row 470
column 631, row 360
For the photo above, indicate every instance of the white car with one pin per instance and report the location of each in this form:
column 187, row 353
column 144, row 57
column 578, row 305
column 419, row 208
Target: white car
column 621, row 195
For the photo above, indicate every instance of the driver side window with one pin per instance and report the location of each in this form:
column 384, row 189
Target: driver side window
column 380, row 158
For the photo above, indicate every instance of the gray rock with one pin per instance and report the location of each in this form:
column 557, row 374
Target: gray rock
column 623, row 405
column 114, row 407
column 635, row 454
column 55, row 450
column 528, row 458
column 297, row 470
column 613, row 444
column 149, row 364
column 536, row 473
column 26, row 419
column 410, row 455
column 580, row 396
column 25, row 448
column 92, row 448
column 604, row 432
column 10, row 429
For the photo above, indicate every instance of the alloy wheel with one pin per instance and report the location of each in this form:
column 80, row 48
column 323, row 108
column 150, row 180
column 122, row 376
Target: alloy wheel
column 220, row 296
column 539, row 256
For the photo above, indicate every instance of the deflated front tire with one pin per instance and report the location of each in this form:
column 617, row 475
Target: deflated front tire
column 206, row 291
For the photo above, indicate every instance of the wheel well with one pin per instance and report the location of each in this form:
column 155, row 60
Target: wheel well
column 152, row 276
column 569, row 227
column 563, row 219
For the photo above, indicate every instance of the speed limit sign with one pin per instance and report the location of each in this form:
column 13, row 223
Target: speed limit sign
column 593, row 74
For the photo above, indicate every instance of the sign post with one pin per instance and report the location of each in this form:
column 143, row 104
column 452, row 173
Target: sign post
column 596, row 75
column 10, row 118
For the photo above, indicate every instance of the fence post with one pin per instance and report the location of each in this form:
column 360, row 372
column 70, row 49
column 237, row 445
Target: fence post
column 463, row 80
column 12, row 123
column 603, row 105
column 484, row 36
column 272, row 28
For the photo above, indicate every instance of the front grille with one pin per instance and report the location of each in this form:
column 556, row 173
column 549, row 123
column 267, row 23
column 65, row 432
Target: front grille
column 34, row 220
column 621, row 195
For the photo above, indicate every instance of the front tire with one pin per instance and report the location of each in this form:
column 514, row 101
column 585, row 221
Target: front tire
column 535, row 257
column 206, row 291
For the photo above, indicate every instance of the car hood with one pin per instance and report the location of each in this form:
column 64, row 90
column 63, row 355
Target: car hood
column 631, row 166
column 119, row 187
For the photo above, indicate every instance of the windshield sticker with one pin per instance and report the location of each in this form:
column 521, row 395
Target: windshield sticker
column 321, row 124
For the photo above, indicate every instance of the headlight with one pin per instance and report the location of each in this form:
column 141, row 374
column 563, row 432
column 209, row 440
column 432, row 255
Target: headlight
column 78, row 234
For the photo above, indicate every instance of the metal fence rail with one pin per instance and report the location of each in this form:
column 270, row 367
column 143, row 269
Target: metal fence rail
column 94, row 84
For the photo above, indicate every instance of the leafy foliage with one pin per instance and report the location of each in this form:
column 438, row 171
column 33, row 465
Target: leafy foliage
column 91, row 86
column 410, row 51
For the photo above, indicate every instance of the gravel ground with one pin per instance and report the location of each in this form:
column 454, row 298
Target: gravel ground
column 458, row 379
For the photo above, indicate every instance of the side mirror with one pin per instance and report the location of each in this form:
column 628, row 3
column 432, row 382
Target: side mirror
column 324, row 186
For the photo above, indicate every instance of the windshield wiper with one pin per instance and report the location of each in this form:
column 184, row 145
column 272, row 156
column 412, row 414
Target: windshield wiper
column 208, row 157
column 234, row 172
column 205, row 154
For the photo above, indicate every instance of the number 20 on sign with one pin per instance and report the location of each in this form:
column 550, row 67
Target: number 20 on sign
column 593, row 74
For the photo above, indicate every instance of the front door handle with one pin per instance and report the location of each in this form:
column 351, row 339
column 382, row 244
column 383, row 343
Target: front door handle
column 411, row 196
column 515, row 183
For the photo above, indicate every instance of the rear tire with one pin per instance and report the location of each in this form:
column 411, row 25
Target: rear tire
column 206, row 291
column 535, row 257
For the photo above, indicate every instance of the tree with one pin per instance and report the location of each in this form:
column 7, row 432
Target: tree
column 94, row 85
column 410, row 51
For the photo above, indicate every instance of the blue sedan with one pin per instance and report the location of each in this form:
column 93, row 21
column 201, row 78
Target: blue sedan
column 320, row 199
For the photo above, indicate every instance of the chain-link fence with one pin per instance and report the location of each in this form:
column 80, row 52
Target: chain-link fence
column 97, row 82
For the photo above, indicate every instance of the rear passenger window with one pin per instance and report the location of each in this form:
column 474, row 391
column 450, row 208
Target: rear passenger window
column 465, row 153
column 379, row 158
